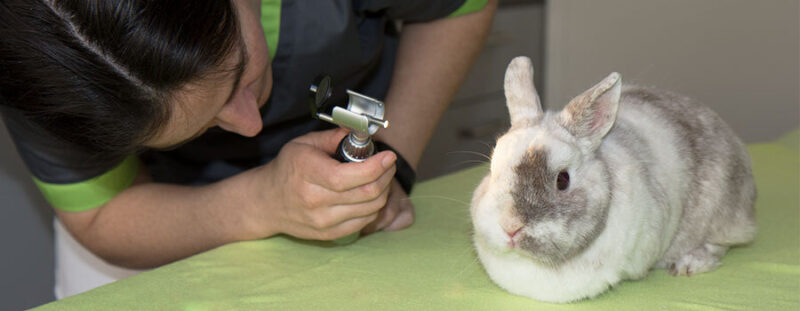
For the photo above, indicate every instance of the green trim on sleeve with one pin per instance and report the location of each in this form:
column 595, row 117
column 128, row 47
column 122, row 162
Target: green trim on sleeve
column 91, row 193
column 271, row 23
column 469, row 6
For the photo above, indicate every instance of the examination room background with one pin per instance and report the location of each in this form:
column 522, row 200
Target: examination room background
column 740, row 57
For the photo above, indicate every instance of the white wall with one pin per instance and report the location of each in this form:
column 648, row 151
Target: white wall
column 740, row 57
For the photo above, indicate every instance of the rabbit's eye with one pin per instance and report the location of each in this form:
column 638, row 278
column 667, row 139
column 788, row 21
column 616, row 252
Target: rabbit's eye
column 562, row 182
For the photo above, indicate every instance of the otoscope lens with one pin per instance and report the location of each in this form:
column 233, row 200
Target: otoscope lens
column 323, row 91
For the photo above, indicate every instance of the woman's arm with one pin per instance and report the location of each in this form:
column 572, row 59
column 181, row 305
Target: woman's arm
column 303, row 193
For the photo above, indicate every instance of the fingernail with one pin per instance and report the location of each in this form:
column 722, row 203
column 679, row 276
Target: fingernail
column 388, row 160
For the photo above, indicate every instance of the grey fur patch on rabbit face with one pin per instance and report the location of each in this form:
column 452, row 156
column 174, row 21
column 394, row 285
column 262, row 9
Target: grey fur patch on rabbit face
column 559, row 224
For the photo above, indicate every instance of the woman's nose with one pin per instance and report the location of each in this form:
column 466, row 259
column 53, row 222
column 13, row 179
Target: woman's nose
column 240, row 114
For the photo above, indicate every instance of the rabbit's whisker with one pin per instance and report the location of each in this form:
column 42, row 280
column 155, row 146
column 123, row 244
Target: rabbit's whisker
column 423, row 197
column 471, row 152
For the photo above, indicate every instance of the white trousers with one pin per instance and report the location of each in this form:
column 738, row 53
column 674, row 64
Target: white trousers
column 77, row 269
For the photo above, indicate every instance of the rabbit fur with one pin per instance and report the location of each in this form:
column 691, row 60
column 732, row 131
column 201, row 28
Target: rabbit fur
column 653, row 180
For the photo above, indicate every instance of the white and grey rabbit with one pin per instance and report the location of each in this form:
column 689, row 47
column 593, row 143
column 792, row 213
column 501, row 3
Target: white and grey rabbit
column 622, row 180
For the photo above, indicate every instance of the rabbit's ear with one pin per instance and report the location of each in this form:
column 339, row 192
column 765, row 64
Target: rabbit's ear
column 521, row 97
column 591, row 115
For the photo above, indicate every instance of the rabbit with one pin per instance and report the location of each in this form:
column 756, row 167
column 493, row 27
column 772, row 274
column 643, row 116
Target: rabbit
column 622, row 180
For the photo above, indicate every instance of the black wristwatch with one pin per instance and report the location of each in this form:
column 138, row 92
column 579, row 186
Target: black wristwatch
column 404, row 174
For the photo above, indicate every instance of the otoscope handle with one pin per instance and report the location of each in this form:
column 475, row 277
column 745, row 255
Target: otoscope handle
column 356, row 154
column 354, row 236
column 339, row 156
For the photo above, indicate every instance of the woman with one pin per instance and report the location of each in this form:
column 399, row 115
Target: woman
column 161, row 129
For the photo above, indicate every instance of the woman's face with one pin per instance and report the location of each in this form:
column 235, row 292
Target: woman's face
column 229, row 100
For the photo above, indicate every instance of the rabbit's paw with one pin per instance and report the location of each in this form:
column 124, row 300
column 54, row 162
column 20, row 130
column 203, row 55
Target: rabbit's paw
column 701, row 259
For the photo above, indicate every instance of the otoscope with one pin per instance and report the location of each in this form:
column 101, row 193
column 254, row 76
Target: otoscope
column 363, row 116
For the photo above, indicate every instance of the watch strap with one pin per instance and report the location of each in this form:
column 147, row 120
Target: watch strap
column 405, row 175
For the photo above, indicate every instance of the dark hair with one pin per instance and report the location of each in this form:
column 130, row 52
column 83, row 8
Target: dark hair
column 98, row 74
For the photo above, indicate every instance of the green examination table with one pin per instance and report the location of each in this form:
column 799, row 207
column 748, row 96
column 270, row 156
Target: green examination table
column 432, row 265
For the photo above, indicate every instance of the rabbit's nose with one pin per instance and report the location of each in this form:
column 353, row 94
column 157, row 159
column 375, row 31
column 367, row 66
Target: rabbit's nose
column 511, row 223
column 512, row 243
column 511, row 234
column 512, row 227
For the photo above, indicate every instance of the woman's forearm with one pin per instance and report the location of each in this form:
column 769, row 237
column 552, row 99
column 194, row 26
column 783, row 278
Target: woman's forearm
column 303, row 192
column 151, row 224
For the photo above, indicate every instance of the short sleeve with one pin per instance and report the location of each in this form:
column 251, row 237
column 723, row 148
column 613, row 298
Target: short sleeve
column 421, row 10
column 469, row 6
column 69, row 179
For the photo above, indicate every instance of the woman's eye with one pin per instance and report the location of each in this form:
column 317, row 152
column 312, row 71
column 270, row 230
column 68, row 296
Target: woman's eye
column 562, row 181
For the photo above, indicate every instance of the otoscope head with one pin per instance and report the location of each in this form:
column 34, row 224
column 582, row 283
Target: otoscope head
column 363, row 113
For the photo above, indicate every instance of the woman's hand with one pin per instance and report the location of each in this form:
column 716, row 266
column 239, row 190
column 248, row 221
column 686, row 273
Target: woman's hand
column 397, row 214
column 306, row 193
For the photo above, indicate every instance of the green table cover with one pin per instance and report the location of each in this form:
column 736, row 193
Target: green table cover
column 432, row 265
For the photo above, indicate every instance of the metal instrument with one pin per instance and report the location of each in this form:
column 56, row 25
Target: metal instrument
column 363, row 116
